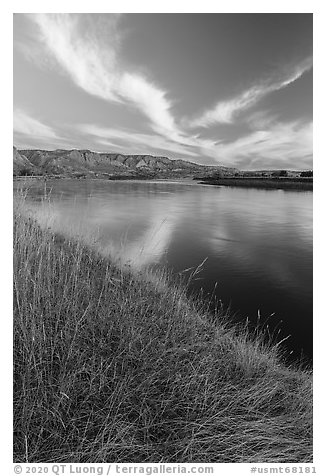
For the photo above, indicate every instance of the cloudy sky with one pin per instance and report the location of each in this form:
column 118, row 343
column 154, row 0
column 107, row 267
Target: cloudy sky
column 231, row 89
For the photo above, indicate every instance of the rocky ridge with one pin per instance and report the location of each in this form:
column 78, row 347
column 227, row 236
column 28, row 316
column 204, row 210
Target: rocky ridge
column 87, row 163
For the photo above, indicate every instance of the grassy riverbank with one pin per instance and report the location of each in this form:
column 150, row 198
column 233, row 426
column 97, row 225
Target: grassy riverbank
column 114, row 365
column 268, row 183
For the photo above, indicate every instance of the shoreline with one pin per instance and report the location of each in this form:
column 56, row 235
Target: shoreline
column 295, row 184
column 127, row 358
column 281, row 184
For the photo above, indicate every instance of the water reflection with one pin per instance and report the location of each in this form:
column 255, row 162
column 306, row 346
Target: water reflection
column 258, row 243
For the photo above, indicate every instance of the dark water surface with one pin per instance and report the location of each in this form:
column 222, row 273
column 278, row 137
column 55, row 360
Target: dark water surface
column 258, row 243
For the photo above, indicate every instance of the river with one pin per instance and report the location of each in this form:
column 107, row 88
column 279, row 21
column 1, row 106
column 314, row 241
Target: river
column 255, row 245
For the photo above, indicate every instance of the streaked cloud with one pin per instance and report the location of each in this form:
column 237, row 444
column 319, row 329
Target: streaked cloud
column 88, row 66
column 151, row 100
column 259, row 120
column 281, row 143
column 27, row 125
column 226, row 111
column 136, row 112
column 135, row 141
column 95, row 68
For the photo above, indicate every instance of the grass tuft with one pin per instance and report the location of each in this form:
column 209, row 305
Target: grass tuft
column 115, row 365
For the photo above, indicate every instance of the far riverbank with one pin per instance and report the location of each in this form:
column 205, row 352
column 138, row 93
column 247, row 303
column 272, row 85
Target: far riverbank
column 305, row 184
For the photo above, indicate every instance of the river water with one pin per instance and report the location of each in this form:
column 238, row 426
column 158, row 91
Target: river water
column 256, row 244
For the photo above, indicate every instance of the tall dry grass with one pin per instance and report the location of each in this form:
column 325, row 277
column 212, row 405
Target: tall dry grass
column 110, row 365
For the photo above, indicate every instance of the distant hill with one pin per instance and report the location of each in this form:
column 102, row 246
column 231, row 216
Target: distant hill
column 87, row 163
column 21, row 165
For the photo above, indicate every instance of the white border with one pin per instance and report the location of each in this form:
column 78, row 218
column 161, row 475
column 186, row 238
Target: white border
column 167, row 6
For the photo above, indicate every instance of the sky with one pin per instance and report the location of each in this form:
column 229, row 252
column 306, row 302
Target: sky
column 215, row 89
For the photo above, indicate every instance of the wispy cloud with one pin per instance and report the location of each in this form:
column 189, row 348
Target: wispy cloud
column 136, row 141
column 89, row 67
column 91, row 57
column 261, row 120
column 287, row 143
column 152, row 101
column 95, row 68
column 226, row 111
column 27, row 125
